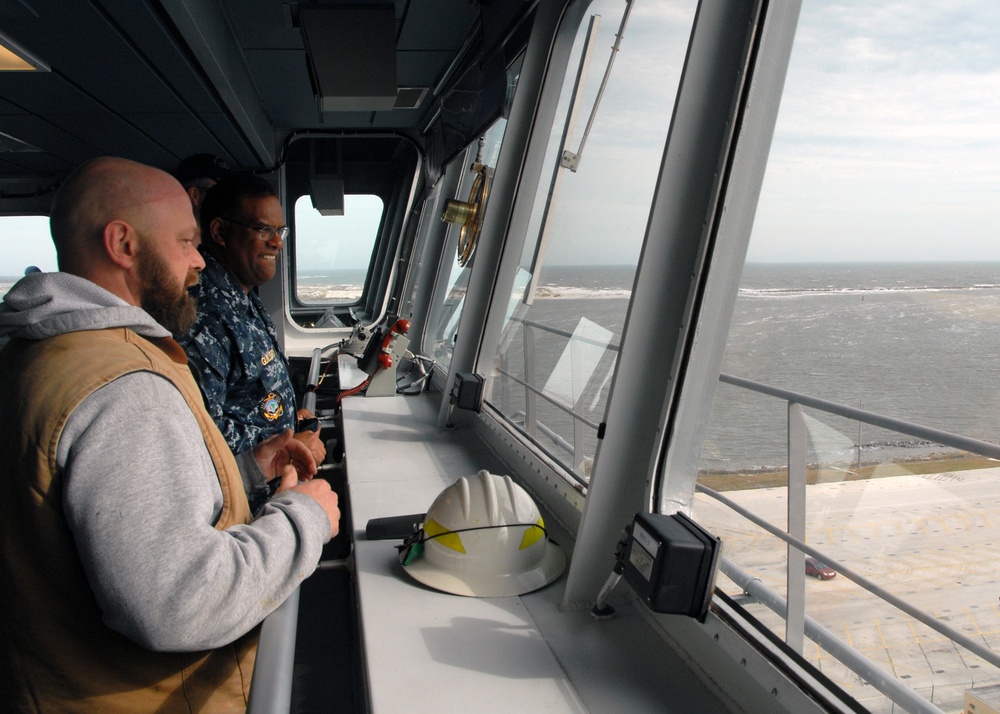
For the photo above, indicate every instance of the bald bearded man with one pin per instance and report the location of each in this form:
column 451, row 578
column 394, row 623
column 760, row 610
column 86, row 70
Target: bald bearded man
column 132, row 577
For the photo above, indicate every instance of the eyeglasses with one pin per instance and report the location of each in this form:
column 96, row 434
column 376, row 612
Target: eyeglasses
column 264, row 231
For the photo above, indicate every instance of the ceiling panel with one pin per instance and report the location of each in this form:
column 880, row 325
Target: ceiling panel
column 427, row 27
column 87, row 49
column 36, row 167
column 115, row 135
column 176, row 133
column 282, row 76
column 64, row 146
column 162, row 48
column 157, row 80
column 263, row 25
column 46, row 94
column 8, row 107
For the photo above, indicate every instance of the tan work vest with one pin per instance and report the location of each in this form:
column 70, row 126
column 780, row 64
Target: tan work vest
column 56, row 655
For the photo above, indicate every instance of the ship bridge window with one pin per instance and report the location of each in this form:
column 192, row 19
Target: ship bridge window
column 460, row 243
column 872, row 283
column 27, row 245
column 333, row 252
column 565, row 315
column 348, row 202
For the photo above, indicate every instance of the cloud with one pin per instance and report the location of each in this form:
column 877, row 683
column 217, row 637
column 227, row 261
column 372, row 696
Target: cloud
column 888, row 138
column 887, row 144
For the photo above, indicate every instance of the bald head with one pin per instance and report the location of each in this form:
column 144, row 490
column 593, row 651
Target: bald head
column 98, row 192
column 114, row 220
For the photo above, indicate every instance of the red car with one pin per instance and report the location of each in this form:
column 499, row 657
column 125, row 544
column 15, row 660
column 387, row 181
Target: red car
column 819, row 570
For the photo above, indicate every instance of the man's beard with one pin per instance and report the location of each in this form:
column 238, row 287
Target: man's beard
column 167, row 303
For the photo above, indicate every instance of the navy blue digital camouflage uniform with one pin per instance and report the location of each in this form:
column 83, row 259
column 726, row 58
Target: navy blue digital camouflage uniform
column 234, row 354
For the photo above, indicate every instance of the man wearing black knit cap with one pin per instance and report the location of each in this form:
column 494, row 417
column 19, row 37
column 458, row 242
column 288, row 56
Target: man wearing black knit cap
column 198, row 173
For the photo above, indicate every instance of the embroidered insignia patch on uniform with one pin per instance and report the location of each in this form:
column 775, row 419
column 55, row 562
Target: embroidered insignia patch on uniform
column 270, row 406
column 267, row 357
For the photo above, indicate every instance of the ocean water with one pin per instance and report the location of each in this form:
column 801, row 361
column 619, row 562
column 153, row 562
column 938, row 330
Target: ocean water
column 917, row 341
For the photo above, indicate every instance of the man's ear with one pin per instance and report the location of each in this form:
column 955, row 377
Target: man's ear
column 194, row 194
column 217, row 232
column 121, row 243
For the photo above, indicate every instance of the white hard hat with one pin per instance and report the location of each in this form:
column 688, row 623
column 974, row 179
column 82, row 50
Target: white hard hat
column 483, row 537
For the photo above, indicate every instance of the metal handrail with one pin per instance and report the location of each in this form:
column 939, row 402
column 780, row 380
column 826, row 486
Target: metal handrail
column 792, row 609
column 531, row 392
column 550, row 399
column 871, row 672
column 946, row 438
column 271, row 685
column 567, row 334
column 939, row 627
column 895, row 691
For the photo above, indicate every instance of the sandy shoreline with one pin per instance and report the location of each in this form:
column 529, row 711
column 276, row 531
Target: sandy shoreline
column 743, row 479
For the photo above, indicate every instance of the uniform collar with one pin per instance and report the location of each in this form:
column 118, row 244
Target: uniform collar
column 215, row 273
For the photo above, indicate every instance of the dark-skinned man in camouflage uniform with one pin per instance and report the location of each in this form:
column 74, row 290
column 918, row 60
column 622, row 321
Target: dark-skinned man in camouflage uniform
column 233, row 347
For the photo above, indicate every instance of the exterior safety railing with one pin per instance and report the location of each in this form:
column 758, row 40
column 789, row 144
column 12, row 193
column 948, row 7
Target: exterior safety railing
column 797, row 624
column 576, row 447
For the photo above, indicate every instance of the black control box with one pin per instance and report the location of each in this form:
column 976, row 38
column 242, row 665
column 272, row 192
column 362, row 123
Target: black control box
column 368, row 361
column 467, row 392
column 671, row 563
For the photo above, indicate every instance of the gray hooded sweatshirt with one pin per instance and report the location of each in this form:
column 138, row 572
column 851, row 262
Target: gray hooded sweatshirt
column 141, row 494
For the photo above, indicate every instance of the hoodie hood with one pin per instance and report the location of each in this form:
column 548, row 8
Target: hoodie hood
column 42, row 305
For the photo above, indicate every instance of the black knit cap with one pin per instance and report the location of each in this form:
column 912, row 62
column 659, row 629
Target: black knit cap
column 201, row 166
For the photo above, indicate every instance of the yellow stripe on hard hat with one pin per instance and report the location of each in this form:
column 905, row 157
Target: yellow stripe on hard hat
column 435, row 530
column 534, row 534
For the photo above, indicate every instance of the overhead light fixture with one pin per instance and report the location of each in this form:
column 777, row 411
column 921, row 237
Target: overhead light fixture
column 352, row 55
column 13, row 145
column 14, row 58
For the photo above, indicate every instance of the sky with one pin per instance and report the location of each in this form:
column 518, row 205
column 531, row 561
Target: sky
column 887, row 144
column 888, row 138
column 337, row 242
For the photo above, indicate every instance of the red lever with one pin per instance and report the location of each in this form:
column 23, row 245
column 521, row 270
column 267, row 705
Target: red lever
column 384, row 358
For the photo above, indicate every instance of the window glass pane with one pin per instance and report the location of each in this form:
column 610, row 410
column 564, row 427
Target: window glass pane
column 27, row 244
column 332, row 253
column 447, row 309
column 873, row 281
column 568, row 307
